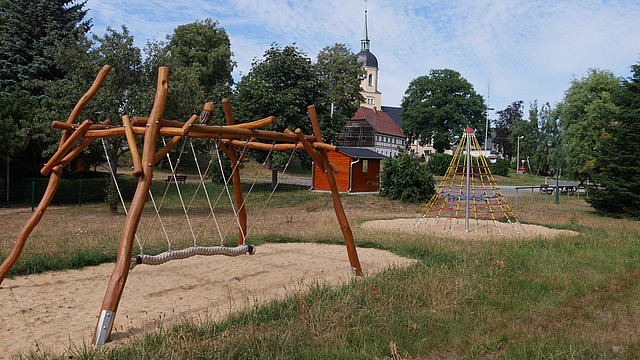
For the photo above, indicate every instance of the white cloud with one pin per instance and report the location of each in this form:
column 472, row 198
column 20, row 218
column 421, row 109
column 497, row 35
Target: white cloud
column 525, row 50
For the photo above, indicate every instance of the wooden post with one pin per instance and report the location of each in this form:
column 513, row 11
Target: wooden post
column 54, row 177
column 7, row 264
column 133, row 147
column 235, row 178
column 121, row 271
column 352, row 252
column 75, row 113
column 342, row 217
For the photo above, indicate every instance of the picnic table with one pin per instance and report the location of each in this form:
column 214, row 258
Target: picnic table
column 563, row 188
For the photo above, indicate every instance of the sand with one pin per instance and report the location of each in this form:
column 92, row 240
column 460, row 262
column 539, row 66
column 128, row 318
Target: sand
column 480, row 230
column 55, row 310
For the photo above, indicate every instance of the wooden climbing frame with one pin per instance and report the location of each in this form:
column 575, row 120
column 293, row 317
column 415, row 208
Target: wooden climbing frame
column 228, row 137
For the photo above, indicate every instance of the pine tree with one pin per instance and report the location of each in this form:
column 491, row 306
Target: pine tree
column 617, row 163
column 29, row 29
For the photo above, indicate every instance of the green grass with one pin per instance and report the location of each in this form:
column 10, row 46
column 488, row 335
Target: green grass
column 285, row 195
column 572, row 297
column 38, row 263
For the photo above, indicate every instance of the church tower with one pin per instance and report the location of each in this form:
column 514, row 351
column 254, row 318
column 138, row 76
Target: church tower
column 372, row 97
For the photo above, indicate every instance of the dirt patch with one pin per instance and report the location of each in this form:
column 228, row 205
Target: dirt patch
column 55, row 310
column 478, row 230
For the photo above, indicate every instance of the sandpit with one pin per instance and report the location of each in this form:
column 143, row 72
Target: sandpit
column 50, row 311
column 480, row 230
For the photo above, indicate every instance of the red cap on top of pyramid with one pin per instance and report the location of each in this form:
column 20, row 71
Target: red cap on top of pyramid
column 469, row 129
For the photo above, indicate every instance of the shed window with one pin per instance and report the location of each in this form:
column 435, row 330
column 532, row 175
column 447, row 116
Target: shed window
column 365, row 165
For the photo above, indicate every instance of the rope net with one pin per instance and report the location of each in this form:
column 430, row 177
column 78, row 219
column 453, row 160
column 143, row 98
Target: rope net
column 468, row 190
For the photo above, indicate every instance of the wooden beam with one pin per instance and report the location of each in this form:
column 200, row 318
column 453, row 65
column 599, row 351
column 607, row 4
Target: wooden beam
column 71, row 127
column 139, row 121
column 315, row 124
column 228, row 115
column 310, row 150
column 174, row 141
column 75, row 113
column 65, row 147
column 72, row 154
column 196, row 131
column 18, row 246
column 133, row 147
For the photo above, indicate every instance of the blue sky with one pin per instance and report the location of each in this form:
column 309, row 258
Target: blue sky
column 509, row 50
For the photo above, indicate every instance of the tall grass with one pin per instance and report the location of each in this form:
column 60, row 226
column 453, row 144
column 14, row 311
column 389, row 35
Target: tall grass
column 564, row 298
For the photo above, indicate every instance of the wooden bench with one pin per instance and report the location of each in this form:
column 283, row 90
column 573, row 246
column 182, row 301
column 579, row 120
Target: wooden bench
column 178, row 178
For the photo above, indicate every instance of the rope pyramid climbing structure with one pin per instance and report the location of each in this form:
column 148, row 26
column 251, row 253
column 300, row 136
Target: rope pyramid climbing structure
column 469, row 191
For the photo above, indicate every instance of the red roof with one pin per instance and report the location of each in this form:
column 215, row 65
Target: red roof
column 379, row 121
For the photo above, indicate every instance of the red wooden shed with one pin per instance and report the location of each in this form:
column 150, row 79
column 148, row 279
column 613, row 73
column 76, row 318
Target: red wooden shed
column 359, row 168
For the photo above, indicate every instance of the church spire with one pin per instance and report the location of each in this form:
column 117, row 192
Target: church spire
column 364, row 43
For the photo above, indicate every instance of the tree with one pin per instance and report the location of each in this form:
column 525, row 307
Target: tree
column 124, row 91
column 587, row 108
column 29, row 29
column 405, row 179
column 440, row 106
column 14, row 108
column 200, row 60
column 30, row 32
column 186, row 93
column 545, row 155
column 283, row 83
column 512, row 114
column 204, row 47
column 616, row 165
column 341, row 76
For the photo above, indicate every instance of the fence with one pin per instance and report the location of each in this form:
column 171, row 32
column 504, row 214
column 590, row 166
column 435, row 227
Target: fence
column 70, row 191
column 522, row 195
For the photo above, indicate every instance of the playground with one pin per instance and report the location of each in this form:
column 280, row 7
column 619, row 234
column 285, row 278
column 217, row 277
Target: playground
column 508, row 287
column 293, row 282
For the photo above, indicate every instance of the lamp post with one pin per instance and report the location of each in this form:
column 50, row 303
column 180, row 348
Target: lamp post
column 518, row 156
column 557, row 175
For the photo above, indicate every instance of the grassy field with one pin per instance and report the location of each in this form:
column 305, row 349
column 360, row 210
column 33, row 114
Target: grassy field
column 562, row 298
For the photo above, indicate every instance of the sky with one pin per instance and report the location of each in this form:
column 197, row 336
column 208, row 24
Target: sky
column 507, row 49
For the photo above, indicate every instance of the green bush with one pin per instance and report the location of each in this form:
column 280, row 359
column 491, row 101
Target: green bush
column 216, row 175
column 500, row 167
column 404, row 179
column 438, row 163
column 614, row 197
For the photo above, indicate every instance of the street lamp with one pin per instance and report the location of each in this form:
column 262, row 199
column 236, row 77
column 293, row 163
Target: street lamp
column 554, row 144
column 518, row 156
column 557, row 175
